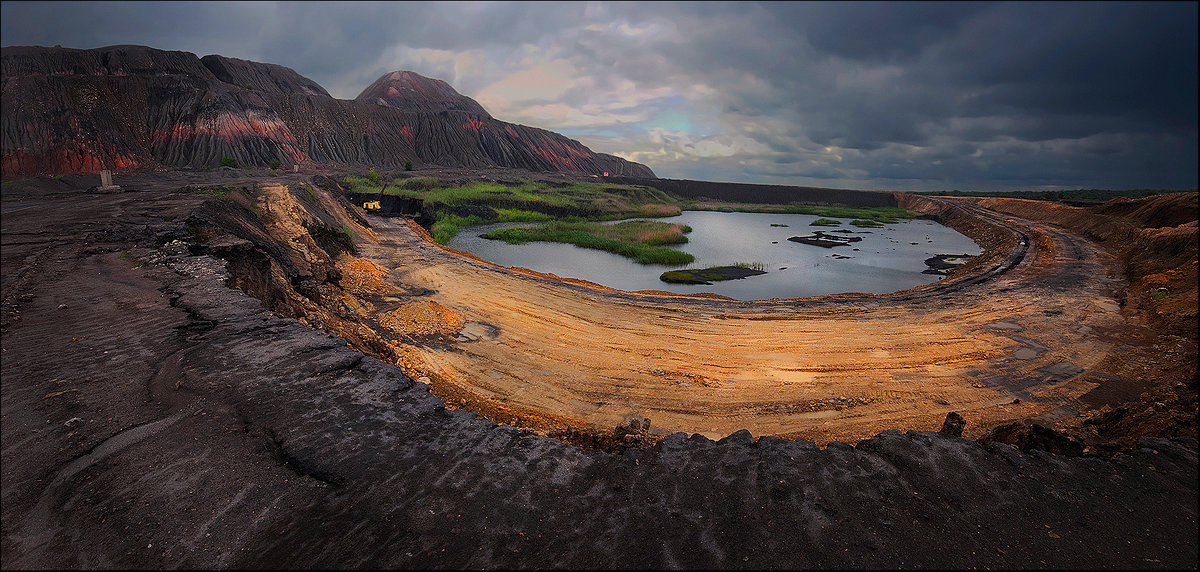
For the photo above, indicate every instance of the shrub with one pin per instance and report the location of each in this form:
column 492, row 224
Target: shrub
column 275, row 164
column 229, row 162
column 408, row 165
column 371, row 175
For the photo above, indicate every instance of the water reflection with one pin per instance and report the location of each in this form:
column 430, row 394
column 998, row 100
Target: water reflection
column 886, row 260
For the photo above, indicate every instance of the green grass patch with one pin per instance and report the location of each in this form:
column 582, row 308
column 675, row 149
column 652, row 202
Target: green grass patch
column 523, row 201
column 777, row 224
column 363, row 185
column 586, row 199
column 638, row 240
column 825, row 222
column 863, row 223
column 518, row 215
column 447, row 226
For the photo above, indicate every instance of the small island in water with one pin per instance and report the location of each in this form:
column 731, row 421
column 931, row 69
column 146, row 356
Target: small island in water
column 710, row 275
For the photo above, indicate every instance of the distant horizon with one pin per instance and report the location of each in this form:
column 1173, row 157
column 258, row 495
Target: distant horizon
column 909, row 96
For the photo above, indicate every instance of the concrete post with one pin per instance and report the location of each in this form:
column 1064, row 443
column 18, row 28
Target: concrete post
column 106, row 184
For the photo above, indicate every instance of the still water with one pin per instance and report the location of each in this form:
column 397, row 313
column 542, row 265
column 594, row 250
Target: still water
column 885, row 260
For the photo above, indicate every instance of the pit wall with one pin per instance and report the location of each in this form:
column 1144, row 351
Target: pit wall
column 996, row 241
column 1156, row 235
column 1154, row 240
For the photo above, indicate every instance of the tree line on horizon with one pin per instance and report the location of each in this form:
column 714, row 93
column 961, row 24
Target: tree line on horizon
column 1077, row 194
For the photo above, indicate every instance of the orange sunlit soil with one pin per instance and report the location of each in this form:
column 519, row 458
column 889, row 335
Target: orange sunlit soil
column 1029, row 328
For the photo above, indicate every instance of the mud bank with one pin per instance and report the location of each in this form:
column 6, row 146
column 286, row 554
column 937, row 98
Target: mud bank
column 153, row 416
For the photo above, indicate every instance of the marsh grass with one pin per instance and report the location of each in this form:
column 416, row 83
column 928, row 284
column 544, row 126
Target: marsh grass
column 575, row 202
column 448, row 225
column 750, row 265
column 519, row 215
column 638, row 240
column 825, row 222
column 523, row 201
column 712, row 274
column 590, row 199
column 863, row 223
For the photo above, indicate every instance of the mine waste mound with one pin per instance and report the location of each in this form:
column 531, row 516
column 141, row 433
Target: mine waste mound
column 138, row 108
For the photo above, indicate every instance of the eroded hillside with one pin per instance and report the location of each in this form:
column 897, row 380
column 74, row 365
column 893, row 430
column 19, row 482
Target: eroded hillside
column 128, row 108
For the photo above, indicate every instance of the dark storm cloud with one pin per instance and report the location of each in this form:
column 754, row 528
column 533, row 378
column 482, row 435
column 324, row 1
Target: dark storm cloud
column 901, row 95
column 876, row 31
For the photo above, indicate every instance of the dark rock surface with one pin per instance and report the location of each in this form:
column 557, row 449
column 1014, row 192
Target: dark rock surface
column 939, row 264
column 953, row 425
column 154, row 417
column 133, row 107
column 1031, row 436
column 255, row 76
column 824, row 239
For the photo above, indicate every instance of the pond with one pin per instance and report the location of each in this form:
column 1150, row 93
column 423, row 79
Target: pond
column 885, row 260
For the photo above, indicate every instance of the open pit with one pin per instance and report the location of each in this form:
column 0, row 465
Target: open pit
column 1027, row 332
column 208, row 370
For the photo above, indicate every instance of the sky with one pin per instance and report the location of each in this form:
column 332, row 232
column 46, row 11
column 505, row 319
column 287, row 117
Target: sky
column 889, row 96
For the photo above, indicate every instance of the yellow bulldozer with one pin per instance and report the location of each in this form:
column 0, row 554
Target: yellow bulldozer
column 371, row 206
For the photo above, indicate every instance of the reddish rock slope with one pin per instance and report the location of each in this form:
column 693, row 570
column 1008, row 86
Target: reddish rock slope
column 134, row 108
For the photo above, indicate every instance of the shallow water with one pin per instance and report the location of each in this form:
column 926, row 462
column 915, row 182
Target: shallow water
column 886, row 260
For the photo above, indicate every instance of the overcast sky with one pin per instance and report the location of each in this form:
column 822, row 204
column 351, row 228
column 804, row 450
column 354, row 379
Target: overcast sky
column 891, row 96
